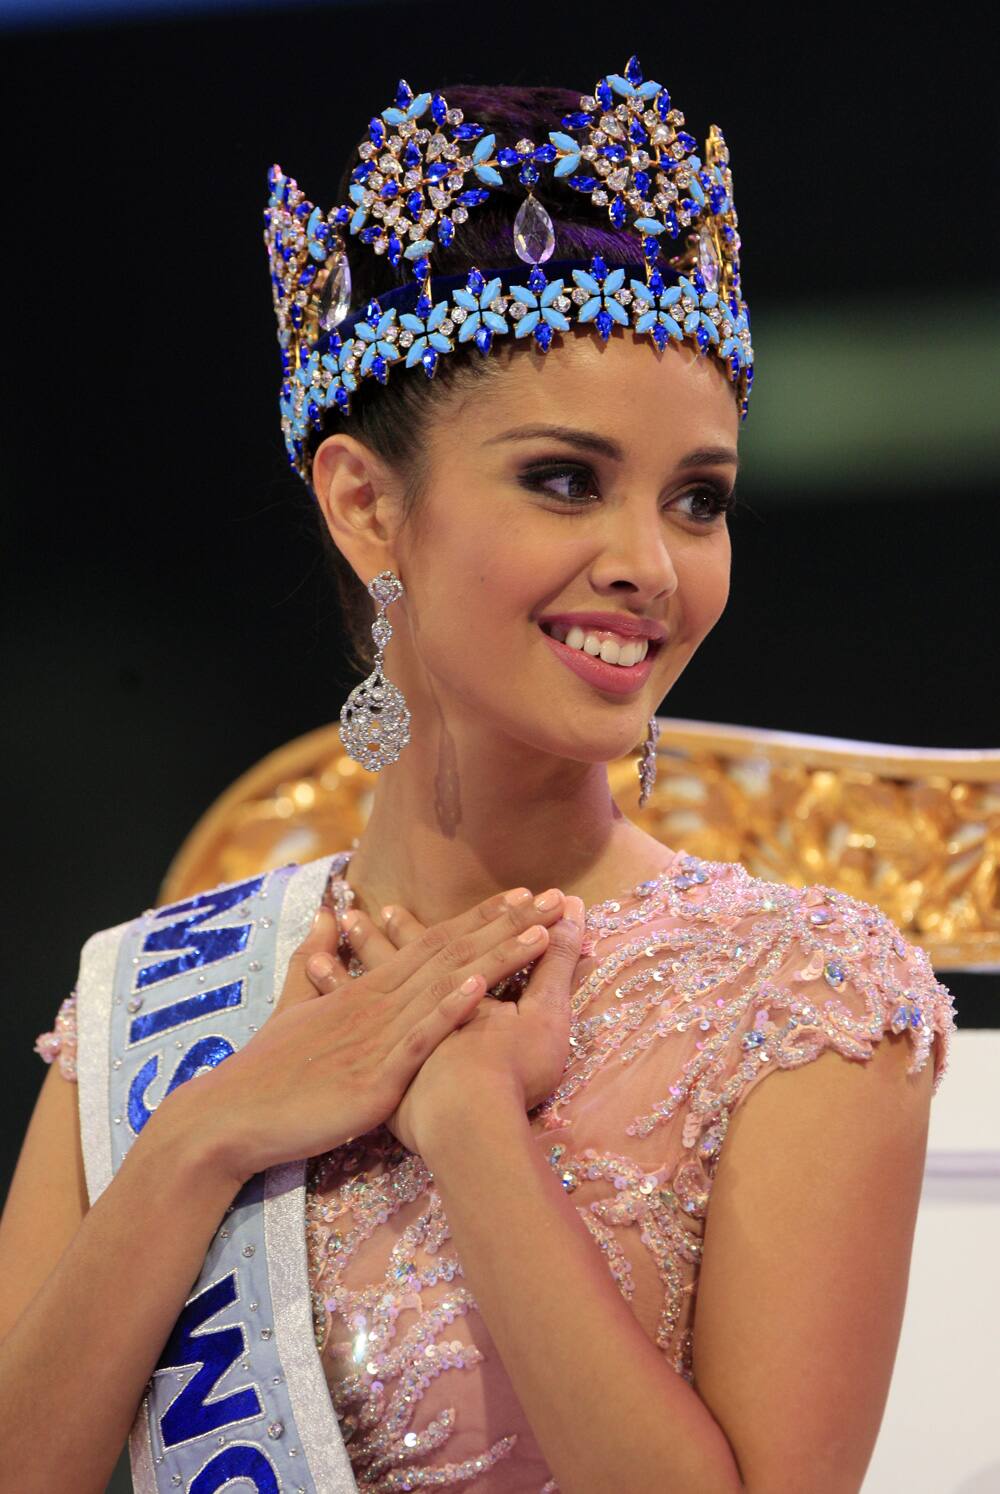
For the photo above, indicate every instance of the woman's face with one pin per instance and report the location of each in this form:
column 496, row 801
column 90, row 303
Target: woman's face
column 606, row 512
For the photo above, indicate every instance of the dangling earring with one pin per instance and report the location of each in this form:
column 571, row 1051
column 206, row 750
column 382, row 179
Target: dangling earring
column 374, row 720
column 647, row 763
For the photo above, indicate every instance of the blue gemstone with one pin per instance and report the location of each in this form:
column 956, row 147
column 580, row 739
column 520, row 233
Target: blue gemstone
column 342, row 215
column 379, row 368
column 604, row 95
column 598, row 268
column 670, row 219
column 507, row 156
column 422, row 268
column 475, row 282
column 395, row 250
column 734, row 364
column 303, row 210
column 575, row 121
column 701, row 336
column 688, row 141
column 660, row 334
column 308, row 274
column 322, row 233
column 473, row 197
column 369, row 235
column 415, row 204
column 528, row 174
column 312, row 410
column 613, row 152
column 717, row 199
column 536, row 280
column 389, row 190
column 633, row 71
column 404, row 94
column 697, row 280
column 603, row 323
column 446, row 231
column 663, row 103
column 468, row 131
column 373, row 311
column 642, row 182
column 650, row 246
column 428, row 361
column 656, row 283
column 341, row 397
column 482, row 337
column 411, row 156
column 296, row 316
column 423, row 306
column 545, row 153
column 618, row 212
column 637, row 134
column 582, row 183
column 439, row 109
column 543, row 333
column 749, row 374
column 376, row 132
column 363, row 172
column 437, row 169
column 689, row 205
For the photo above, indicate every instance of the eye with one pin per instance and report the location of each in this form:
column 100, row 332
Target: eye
column 570, row 481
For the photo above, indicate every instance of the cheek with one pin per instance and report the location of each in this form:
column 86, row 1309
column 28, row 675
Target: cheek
column 703, row 573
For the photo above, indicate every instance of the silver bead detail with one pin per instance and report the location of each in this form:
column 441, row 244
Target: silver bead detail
column 275, row 1429
column 249, row 1250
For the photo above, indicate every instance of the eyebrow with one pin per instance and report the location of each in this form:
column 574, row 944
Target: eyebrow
column 703, row 456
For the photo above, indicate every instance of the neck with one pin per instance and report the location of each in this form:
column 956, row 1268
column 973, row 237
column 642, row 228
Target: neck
column 457, row 819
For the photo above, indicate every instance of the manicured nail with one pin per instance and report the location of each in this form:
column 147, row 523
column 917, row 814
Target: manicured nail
column 320, row 966
column 547, row 900
column 387, row 912
column 532, row 935
column 517, row 897
column 350, row 922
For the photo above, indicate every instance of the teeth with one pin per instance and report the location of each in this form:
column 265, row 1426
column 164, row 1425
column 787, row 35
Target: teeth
column 624, row 653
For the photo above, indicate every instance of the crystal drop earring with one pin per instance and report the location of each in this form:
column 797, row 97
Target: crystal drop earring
column 374, row 720
column 647, row 763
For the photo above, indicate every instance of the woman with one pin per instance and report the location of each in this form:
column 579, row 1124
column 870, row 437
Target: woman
column 564, row 1240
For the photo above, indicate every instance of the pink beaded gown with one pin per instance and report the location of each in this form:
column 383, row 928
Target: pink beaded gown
column 691, row 988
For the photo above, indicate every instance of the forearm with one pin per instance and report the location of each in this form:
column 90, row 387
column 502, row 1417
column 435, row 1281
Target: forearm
column 74, row 1366
column 607, row 1409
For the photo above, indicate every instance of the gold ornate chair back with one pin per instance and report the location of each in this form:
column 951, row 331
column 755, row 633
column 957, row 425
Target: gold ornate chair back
column 915, row 831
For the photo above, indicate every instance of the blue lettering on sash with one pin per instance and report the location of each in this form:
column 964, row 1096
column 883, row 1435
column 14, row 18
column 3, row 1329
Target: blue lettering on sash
column 200, row 946
column 233, row 1464
column 190, row 1414
column 203, row 1054
column 188, row 1009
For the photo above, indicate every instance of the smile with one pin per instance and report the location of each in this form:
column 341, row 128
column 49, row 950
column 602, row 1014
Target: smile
column 595, row 665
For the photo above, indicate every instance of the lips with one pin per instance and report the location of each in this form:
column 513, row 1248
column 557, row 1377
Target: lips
column 615, row 679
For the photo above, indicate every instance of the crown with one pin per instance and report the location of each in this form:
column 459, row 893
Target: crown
column 423, row 169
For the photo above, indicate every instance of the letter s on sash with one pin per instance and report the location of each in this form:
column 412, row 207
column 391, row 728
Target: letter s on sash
column 205, row 1053
column 236, row 1462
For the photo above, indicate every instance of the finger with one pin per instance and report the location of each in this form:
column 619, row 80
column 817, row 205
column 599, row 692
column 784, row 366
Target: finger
column 400, row 925
column 422, row 1036
column 548, row 989
column 319, row 944
column 367, row 941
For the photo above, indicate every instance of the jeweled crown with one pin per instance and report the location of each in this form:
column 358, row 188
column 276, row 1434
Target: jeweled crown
column 423, row 168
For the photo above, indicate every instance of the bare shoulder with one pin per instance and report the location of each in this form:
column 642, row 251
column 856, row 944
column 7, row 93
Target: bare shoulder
column 806, row 1261
column 47, row 1199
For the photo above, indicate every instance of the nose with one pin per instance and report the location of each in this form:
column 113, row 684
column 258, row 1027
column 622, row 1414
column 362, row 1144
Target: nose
column 637, row 558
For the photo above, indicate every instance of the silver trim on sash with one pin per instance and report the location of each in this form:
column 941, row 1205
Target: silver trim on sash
column 98, row 964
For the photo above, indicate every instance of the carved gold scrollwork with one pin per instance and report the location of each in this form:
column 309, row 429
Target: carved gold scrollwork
column 915, row 831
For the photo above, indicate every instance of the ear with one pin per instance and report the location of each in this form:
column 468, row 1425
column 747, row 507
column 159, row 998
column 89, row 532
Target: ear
column 352, row 487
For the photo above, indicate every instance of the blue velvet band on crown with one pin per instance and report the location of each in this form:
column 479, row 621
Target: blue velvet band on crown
column 405, row 297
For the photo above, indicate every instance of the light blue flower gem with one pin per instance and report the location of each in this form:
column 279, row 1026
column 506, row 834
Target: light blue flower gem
column 428, row 335
column 377, row 344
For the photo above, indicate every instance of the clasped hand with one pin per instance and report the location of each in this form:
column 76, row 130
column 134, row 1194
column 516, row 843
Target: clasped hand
column 522, row 1043
column 399, row 1044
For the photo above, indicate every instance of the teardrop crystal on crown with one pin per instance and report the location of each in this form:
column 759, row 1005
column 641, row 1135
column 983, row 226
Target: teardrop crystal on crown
column 374, row 720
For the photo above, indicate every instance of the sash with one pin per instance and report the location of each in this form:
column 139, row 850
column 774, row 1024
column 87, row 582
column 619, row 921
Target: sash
column 238, row 1399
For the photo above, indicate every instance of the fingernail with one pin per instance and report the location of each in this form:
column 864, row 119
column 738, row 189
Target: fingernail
column 548, row 899
column 576, row 908
column 530, row 936
column 320, row 966
column 350, row 922
column 387, row 912
column 518, row 896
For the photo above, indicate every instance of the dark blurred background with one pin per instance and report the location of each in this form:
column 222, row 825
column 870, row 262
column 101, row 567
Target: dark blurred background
column 166, row 618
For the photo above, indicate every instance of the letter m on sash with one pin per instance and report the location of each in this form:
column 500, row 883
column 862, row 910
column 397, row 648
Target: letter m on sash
column 192, row 1414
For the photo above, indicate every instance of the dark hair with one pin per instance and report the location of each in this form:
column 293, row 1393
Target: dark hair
column 392, row 419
